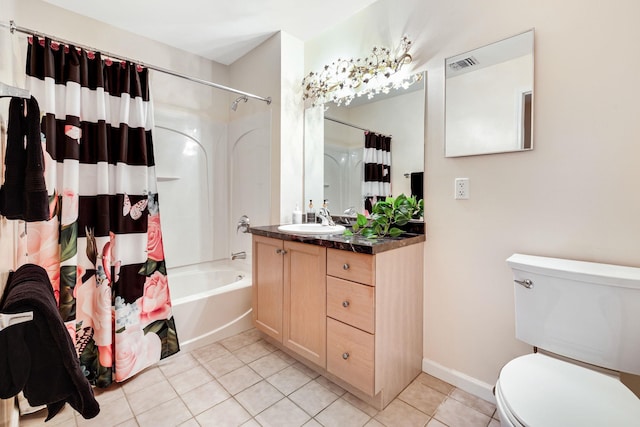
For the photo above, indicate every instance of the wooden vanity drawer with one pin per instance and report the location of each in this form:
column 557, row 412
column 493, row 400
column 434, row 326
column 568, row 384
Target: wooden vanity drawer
column 351, row 303
column 351, row 266
column 350, row 355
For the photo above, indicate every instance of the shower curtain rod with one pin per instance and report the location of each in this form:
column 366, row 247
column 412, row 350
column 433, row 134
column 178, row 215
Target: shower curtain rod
column 13, row 28
column 353, row 126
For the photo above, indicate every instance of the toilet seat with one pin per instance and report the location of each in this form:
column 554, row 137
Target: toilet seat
column 507, row 419
column 538, row 390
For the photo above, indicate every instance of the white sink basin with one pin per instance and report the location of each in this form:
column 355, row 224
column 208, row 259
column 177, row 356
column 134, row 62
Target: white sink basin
column 311, row 229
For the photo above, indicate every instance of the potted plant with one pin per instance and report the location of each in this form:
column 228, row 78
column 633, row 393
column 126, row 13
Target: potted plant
column 387, row 216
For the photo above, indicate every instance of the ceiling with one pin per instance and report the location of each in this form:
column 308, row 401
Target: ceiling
column 220, row 30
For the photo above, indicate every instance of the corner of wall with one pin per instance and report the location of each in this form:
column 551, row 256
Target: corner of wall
column 292, row 125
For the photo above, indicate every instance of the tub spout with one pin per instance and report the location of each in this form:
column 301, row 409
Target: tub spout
column 238, row 255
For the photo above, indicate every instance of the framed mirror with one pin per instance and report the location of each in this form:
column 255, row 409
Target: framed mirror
column 489, row 98
column 335, row 145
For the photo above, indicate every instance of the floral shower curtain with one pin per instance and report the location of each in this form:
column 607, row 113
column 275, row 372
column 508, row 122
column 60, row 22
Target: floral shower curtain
column 377, row 168
column 102, row 247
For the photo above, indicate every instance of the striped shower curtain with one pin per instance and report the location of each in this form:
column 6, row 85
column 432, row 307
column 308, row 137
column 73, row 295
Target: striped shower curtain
column 102, row 247
column 377, row 168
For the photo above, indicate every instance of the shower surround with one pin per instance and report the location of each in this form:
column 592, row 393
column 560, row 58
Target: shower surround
column 209, row 174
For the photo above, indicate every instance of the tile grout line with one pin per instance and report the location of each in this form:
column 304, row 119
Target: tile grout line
column 272, row 351
column 286, row 396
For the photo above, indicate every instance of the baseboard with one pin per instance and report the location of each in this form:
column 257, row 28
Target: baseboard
column 460, row 380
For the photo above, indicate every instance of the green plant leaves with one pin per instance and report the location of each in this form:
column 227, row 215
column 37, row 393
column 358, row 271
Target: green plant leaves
column 166, row 330
column 68, row 274
column 150, row 266
column 68, row 241
column 386, row 215
column 369, row 233
column 395, row 232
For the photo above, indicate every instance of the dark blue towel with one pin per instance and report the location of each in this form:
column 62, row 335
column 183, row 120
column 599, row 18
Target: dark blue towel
column 38, row 357
column 417, row 180
column 24, row 193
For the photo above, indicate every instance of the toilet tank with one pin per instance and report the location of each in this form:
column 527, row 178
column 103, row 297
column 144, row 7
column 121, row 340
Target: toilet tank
column 582, row 310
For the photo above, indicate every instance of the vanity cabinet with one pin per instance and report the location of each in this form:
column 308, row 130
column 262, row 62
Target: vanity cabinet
column 268, row 286
column 374, row 320
column 356, row 317
column 289, row 292
column 351, row 318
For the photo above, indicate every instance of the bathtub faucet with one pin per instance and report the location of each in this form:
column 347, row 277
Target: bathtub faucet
column 238, row 255
column 243, row 224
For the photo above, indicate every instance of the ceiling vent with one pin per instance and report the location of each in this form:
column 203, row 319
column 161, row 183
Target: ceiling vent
column 463, row 63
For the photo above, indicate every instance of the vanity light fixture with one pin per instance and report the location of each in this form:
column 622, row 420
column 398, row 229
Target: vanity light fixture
column 346, row 79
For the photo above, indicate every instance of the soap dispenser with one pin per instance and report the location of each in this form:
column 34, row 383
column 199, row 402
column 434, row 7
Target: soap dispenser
column 311, row 213
column 297, row 215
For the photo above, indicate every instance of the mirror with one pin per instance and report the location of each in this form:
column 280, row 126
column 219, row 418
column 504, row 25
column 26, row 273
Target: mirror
column 489, row 98
column 334, row 146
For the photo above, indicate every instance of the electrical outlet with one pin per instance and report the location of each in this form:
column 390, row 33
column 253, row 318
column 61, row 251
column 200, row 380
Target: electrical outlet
column 461, row 189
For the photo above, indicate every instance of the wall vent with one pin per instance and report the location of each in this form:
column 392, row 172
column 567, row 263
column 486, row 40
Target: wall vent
column 463, row 63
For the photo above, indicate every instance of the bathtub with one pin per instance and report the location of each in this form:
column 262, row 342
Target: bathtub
column 211, row 301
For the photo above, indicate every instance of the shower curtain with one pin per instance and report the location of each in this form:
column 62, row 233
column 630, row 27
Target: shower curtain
column 377, row 168
column 102, row 247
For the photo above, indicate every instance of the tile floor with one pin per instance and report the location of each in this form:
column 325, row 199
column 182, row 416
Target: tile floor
column 245, row 381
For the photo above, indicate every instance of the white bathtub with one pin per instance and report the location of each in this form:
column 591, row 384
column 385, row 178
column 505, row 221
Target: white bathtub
column 211, row 301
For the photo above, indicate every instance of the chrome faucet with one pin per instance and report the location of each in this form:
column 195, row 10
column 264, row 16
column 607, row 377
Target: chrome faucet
column 325, row 216
column 238, row 255
column 243, row 224
column 350, row 211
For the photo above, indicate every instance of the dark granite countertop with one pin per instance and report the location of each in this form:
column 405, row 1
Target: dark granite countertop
column 347, row 243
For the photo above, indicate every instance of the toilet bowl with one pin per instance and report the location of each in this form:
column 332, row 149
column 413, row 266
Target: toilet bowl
column 540, row 390
column 586, row 318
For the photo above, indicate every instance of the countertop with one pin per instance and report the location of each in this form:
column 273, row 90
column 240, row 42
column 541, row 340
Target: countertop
column 354, row 243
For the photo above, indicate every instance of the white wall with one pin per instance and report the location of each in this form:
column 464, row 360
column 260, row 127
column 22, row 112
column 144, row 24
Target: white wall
column 253, row 133
column 573, row 196
column 314, row 137
column 292, row 127
column 275, row 69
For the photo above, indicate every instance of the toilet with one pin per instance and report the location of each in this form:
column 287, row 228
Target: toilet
column 584, row 320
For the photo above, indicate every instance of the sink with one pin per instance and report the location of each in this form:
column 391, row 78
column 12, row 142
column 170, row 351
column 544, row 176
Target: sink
column 311, row 229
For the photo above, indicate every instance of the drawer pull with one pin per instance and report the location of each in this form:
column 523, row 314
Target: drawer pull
column 345, row 266
column 345, row 355
column 281, row 251
column 345, row 304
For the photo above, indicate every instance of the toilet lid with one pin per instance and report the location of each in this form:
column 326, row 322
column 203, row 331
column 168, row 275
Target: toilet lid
column 542, row 391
